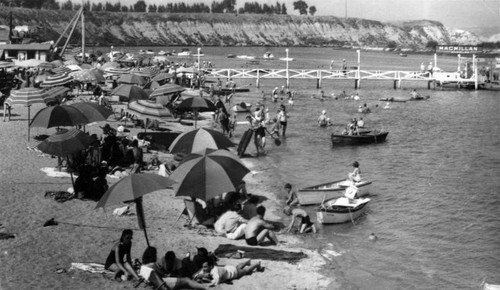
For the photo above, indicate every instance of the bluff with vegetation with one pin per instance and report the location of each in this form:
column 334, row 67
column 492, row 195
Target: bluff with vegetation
column 157, row 29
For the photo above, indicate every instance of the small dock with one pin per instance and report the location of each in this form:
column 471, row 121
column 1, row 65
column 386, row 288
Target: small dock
column 320, row 75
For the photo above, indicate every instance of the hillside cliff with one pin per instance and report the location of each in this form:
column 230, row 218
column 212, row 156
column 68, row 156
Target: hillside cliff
column 151, row 29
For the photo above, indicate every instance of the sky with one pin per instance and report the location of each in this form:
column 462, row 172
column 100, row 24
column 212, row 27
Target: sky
column 461, row 14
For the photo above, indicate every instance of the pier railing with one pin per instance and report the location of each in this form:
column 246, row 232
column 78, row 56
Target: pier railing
column 319, row 75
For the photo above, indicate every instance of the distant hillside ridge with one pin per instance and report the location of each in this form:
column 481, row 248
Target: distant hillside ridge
column 161, row 29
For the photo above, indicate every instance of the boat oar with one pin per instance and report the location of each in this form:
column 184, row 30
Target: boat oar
column 350, row 215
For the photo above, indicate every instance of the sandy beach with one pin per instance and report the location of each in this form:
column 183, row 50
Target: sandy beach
column 40, row 257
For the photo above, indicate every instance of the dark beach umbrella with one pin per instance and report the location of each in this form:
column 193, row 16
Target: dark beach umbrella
column 64, row 143
column 133, row 188
column 53, row 94
column 94, row 112
column 207, row 174
column 198, row 140
column 197, row 104
column 26, row 97
column 130, row 92
column 59, row 116
column 162, row 76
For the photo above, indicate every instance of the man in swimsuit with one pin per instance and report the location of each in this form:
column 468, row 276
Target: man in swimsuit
column 258, row 230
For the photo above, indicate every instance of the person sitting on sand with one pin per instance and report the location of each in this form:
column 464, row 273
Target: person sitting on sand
column 231, row 223
column 258, row 230
column 221, row 274
column 119, row 260
column 305, row 225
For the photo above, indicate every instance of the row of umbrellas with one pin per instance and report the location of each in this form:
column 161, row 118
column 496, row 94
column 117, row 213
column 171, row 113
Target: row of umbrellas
column 205, row 173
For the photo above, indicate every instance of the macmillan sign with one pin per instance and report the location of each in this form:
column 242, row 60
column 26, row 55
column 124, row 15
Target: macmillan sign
column 459, row 48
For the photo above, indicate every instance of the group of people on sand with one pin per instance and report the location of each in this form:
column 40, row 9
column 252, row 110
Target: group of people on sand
column 192, row 272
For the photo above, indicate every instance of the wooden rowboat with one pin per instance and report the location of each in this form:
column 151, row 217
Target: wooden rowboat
column 341, row 210
column 316, row 194
column 241, row 107
column 373, row 137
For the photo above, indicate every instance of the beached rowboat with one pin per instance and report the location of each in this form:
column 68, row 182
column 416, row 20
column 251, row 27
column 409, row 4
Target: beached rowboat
column 241, row 107
column 341, row 210
column 375, row 136
column 326, row 191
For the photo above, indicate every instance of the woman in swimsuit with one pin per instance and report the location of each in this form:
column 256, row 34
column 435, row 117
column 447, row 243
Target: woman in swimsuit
column 119, row 260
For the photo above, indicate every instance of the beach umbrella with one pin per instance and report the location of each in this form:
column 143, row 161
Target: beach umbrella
column 162, row 76
column 198, row 140
column 130, row 92
column 117, row 71
column 110, row 64
column 93, row 111
column 88, row 76
column 150, row 71
column 64, row 143
column 47, row 65
column 133, row 188
column 208, row 173
column 132, row 79
column 74, row 67
column 56, row 80
column 167, row 89
column 59, row 116
column 26, row 97
column 197, row 104
column 53, row 94
column 61, row 70
column 151, row 85
column 148, row 109
column 86, row 66
column 6, row 64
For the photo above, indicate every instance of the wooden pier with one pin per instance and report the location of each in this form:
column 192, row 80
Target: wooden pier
column 357, row 76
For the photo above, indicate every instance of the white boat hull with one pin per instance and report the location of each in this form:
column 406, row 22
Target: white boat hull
column 341, row 214
column 317, row 194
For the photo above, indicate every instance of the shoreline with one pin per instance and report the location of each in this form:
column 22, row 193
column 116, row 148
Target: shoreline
column 32, row 259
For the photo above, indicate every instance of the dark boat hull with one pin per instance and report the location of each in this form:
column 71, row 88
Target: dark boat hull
column 359, row 139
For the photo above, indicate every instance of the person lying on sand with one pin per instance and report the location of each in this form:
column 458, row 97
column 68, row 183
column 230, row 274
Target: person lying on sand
column 221, row 274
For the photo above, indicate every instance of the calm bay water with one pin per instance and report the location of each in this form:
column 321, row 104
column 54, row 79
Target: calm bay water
column 437, row 191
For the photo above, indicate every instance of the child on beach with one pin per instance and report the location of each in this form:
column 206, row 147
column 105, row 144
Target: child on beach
column 119, row 260
column 305, row 224
column 292, row 195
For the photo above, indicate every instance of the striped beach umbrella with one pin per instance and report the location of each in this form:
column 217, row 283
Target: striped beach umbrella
column 110, row 64
column 26, row 97
column 132, row 79
column 47, row 65
column 162, row 76
column 61, row 70
column 6, row 64
column 117, row 71
column 167, row 89
column 150, row 71
column 198, row 140
column 88, row 76
column 130, row 92
column 56, row 80
column 148, row 109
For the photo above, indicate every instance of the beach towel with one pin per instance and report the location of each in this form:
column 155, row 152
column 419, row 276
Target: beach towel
column 90, row 267
column 53, row 172
column 259, row 253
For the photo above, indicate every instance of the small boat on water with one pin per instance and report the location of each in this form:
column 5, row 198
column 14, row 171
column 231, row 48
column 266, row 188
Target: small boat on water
column 147, row 51
column 403, row 54
column 231, row 55
column 268, row 55
column 341, row 210
column 226, row 91
column 392, row 99
column 375, row 136
column 317, row 193
column 241, row 107
column 287, row 58
column 419, row 98
column 184, row 52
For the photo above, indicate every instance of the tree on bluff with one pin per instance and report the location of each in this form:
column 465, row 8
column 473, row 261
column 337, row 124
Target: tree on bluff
column 301, row 6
